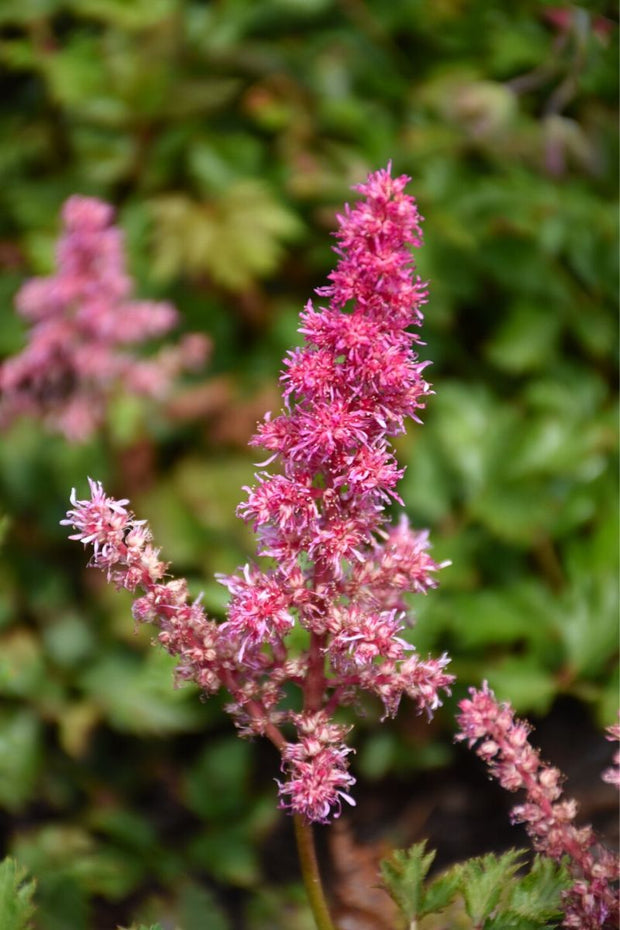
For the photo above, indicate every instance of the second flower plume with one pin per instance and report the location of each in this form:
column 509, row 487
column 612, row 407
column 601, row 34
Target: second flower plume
column 329, row 562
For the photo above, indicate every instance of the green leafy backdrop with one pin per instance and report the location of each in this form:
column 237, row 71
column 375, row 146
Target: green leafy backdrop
column 227, row 134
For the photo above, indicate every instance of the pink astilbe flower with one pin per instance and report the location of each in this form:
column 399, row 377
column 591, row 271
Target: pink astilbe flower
column 318, row 779
column 336, row 569
column 122, row 549
column 591, row 903
column 82, row 319
column 612, row 774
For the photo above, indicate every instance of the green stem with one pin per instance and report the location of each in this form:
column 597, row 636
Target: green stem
column 310, row 873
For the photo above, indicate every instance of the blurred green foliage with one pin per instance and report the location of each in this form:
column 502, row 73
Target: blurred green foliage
column 228, row 133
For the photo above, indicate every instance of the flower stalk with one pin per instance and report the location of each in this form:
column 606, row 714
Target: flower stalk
column 306, row 851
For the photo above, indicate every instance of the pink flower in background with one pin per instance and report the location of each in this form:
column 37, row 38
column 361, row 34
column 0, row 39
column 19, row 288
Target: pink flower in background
column 82, row 321
column 327, row 611
column 612, row 774
column 503, row 743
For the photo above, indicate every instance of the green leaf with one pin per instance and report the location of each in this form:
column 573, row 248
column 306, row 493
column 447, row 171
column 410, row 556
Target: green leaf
column 284, row 906
column 404, row 874
column 136, row 693
column 20, row 756
column 16, row 891
column 18, row 11
column 70, row 640
column 227, row 852
column 471, row 427
column 524, row 681
column 511, row 614
column 537, row 896
column 235, row 238
column 588, row 629
column 217, row 785
column 484, row 880
column 524, row 339
column 376, row 757
column 74, row 71
column 195, row 902
column 62, row 858
column 138, row 15
column 442, row 890
column 22, row 668
column 143, row 927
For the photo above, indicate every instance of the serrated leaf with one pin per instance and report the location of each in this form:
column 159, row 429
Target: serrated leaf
column 60, row 857
column 16, row 891
column 235, row 237
column 537, row 895
column 403, row 874
column 442, row 891
column 485, row 879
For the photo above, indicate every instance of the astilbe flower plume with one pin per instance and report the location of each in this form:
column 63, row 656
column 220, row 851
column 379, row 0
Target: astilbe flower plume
column 591, row 903
column 331, row 564
column 82, row 321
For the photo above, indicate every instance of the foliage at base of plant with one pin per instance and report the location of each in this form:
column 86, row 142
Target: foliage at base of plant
column 484, row 893
column 16, row 891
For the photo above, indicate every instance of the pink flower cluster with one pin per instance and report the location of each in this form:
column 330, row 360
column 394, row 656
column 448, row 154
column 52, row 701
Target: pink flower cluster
column 122, row 548
column 336, row 573
column 81, row 320
column 612, row 774
column 591, row 903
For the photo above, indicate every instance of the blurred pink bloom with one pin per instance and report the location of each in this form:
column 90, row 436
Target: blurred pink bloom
column 612, row 774
column 82, row 318
column 591, row 903
column 328, row 612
